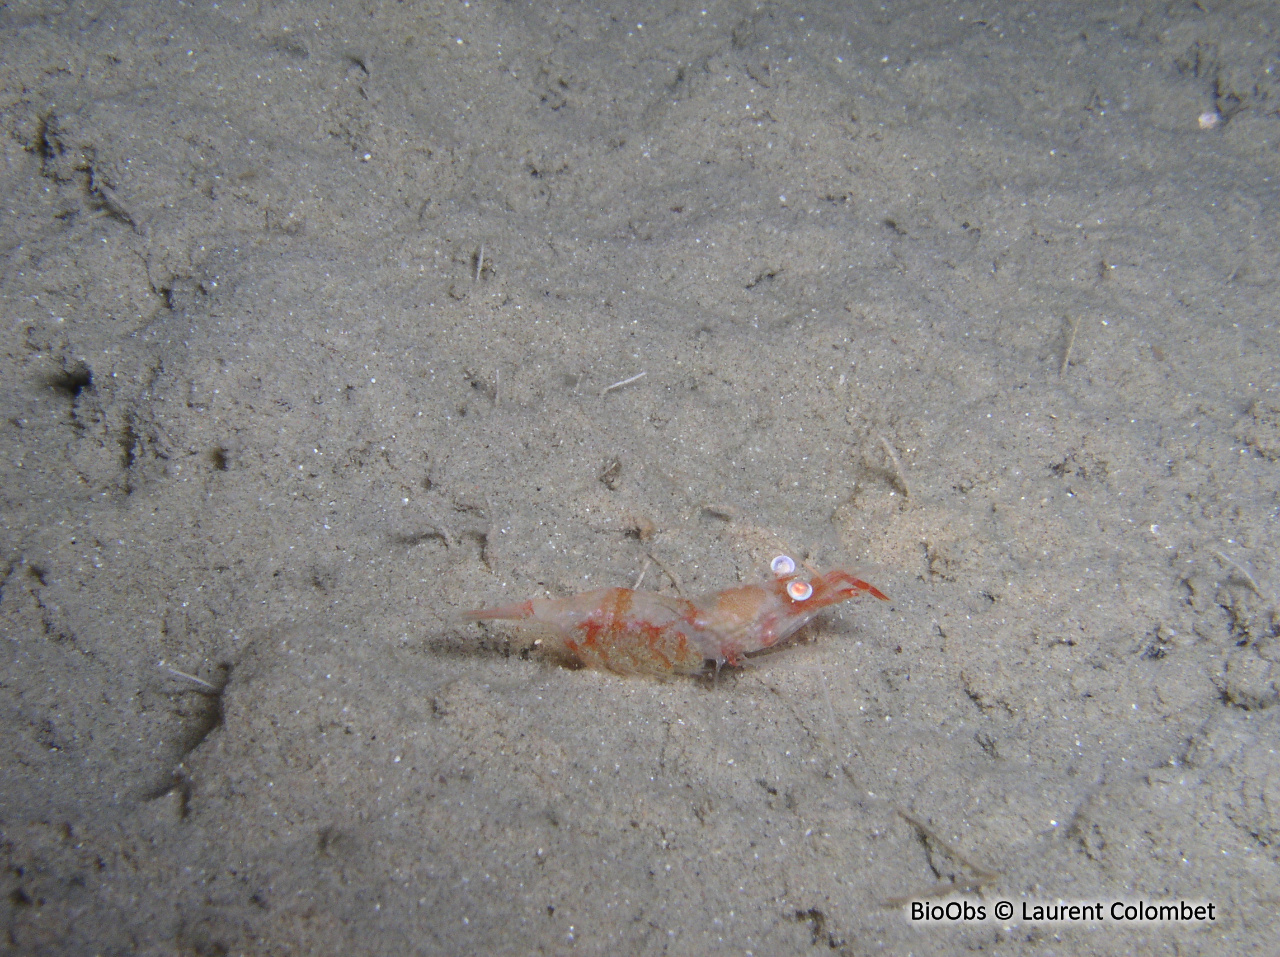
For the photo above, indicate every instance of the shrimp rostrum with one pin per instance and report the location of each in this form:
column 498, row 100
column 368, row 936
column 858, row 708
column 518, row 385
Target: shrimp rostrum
column 630, row 631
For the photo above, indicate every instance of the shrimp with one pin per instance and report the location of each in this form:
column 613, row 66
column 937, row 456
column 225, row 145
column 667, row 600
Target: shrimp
column 629, row 631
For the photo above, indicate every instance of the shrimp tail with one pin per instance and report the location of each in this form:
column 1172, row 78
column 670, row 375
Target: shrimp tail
column 516, row 612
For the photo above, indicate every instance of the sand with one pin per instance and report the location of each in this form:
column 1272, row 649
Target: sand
column 310, row 321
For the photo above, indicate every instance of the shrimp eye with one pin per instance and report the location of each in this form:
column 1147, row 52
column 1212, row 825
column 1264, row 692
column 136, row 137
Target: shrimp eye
column 783, row 566
column 799, row 590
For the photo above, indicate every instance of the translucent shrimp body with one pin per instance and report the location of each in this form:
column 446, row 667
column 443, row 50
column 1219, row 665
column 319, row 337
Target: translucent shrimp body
column 639, row 632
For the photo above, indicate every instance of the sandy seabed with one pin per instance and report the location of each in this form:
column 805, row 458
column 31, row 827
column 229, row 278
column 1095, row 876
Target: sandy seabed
column 310, row 318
